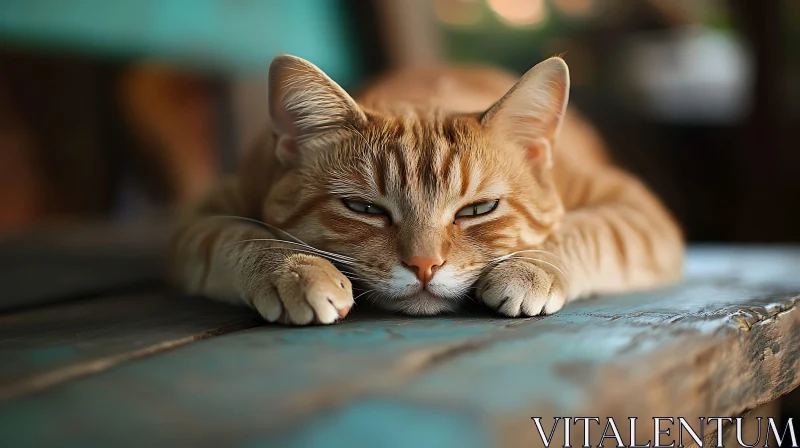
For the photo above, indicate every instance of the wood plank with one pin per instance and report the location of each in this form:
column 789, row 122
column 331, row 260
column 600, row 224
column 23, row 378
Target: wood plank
column 63, row 262
column 45, row 346
column 751, row 430
column 723, row 342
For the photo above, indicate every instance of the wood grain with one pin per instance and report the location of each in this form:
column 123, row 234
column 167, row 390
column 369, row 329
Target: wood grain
column 65, row 262
column 723, row 342
column 43, row 347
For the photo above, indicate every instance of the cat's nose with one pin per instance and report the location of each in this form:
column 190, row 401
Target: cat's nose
column 424, row 267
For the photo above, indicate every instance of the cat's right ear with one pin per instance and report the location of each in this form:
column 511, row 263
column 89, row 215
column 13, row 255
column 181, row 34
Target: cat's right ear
column 531, row 113
column 307, row 108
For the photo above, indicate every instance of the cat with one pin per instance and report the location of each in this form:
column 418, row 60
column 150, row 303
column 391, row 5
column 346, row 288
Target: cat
column 438, row 185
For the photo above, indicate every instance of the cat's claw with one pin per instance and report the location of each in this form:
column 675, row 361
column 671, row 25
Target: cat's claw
column 520, row 288
column 305, row 290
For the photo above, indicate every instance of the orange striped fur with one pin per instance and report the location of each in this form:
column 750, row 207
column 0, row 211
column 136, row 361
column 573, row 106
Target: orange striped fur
column 421, row 145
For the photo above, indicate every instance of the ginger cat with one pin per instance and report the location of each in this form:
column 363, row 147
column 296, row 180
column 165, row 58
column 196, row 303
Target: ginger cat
column 435, row 185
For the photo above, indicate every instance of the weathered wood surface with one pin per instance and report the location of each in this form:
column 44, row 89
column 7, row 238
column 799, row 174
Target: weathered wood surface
column 725, row 341
column 45, row 346
column 752, row 431
column 67, row 262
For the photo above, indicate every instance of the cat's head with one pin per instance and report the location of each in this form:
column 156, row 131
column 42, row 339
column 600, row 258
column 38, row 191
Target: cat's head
column 417, row 202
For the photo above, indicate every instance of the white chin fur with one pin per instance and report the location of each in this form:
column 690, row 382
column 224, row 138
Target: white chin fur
column 419, row 305
column 406, row 296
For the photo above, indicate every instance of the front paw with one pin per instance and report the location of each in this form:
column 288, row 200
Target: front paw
column 523, row 288
column 302, row 290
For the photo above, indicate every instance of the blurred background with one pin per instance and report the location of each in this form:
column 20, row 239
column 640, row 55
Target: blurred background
column 119, row 111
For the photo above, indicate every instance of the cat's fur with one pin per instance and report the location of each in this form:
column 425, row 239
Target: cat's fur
column 421, row 145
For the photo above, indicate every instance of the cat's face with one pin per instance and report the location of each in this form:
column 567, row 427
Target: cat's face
column 418, row 203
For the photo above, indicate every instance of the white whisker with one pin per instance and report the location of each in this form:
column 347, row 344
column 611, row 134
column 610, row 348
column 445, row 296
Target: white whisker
column 291, row 249
column 521, row 251
column 356, row 297
column 545, row 262
column 307, row 246
column 256, row 221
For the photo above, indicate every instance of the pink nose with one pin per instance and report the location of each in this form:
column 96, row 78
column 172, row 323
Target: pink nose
column 424, row 267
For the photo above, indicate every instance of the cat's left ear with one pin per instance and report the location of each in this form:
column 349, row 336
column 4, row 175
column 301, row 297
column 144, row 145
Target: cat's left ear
column 307, row 107
column 530, row 114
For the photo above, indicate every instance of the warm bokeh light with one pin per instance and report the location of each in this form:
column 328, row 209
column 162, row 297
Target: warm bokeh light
column 520, row 12
column 458, row 12
column 575, row 7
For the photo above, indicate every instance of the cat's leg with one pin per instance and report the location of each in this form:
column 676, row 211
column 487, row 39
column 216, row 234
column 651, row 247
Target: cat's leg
column 234, row 261
column 616, row 238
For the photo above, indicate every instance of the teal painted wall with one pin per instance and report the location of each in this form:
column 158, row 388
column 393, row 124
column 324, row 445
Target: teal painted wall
column 229, row 35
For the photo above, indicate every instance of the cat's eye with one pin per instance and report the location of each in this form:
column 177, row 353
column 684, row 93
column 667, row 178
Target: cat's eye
column 477, row 209
column 363, row 207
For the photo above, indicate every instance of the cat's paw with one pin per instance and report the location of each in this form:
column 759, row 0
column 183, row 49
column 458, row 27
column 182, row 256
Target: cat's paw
column 303, row 290
column 522, row 288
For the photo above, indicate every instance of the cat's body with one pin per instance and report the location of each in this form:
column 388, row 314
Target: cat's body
column 427, row 191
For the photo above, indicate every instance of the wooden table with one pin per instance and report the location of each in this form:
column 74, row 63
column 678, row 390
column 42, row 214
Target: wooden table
column 148, row 368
